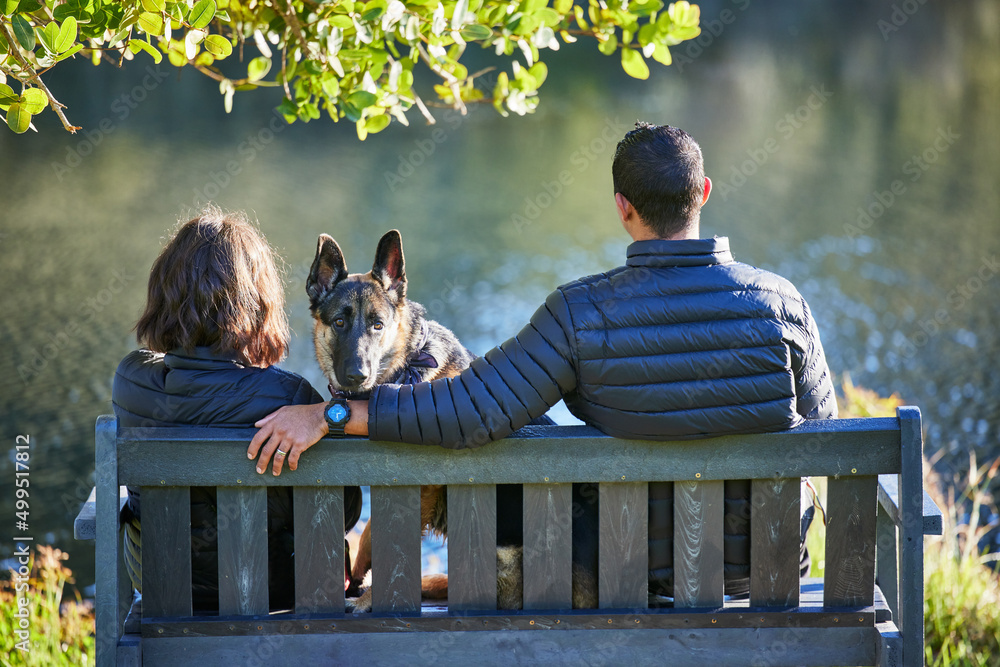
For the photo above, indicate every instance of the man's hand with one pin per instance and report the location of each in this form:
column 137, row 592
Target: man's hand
column 286, row 433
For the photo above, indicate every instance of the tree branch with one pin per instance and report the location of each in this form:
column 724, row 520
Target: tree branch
column 53, row 102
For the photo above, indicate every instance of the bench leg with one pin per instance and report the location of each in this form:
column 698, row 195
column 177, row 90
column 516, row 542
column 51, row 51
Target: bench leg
column 890, row 645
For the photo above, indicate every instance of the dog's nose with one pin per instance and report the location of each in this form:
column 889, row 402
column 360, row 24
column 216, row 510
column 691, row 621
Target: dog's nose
column 355, row 379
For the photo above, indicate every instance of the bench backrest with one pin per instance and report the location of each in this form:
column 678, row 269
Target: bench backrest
column 546, row 460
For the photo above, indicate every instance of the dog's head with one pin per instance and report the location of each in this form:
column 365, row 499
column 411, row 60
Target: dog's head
column 362, row 320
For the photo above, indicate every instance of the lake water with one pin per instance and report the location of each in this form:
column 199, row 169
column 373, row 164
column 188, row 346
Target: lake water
column 855, row 152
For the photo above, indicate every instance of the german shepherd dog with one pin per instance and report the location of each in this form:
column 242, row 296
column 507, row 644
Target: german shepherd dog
column 366, row 333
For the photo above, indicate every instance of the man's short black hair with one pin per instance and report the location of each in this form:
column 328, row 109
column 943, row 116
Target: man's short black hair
column 659, row 169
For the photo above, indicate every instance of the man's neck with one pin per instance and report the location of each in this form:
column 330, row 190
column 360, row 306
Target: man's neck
column 644, row 233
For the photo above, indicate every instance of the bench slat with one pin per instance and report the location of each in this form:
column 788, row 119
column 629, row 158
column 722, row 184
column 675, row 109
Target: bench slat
column 774, row 542
column 319, row 549
column 114, row 590
column 850, row 541
column 911, row 536
column 623, row 579
column 548, row 546
column 698, row 550
column 166, row 550
column 886, row 559
column 395, row 548
column 472, row 547
column 242, row 550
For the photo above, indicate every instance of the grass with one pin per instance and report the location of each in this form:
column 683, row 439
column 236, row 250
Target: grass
column 961, row 593
column 59, row 633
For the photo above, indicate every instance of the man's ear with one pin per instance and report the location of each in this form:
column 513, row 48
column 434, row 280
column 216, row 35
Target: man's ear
column 328, row 269
column 388, row 268
column 624, row 206
column 708, row 190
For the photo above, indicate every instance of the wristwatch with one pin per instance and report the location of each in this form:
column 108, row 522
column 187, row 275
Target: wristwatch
column 337, row 413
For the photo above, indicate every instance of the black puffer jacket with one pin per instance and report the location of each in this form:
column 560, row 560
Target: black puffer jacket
column 681, row 342
column 202, row 388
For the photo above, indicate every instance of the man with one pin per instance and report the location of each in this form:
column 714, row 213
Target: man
column 681, row 342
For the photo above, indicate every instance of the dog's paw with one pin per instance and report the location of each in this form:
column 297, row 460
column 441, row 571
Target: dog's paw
column 361, row 605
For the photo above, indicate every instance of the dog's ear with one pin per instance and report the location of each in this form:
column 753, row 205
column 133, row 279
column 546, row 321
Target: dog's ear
column 389, row 268
column 328, row 269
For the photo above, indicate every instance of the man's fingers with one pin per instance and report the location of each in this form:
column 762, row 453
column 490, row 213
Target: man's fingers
column 259, row 438
column 265, row 454
column 264, row 420
column 293, row 458
column 279, row 458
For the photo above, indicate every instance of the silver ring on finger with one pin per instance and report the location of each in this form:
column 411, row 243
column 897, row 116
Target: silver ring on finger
column 280, row 453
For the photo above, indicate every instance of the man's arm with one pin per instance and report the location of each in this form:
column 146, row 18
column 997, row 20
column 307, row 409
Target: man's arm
column 498, row 394
column 813, row 380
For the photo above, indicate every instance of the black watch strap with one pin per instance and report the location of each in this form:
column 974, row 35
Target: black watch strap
column 337, row 414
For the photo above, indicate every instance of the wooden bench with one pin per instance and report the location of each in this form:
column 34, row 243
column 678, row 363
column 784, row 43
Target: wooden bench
column 877, row 515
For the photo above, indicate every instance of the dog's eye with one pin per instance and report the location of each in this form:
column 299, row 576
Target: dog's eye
column 339, row 322
column 378, row 326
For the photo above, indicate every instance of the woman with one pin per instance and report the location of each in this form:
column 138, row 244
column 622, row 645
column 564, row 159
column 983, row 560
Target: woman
column 213, row 328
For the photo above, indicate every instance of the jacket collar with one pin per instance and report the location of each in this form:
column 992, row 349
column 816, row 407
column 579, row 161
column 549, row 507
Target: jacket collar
column 200, row 358
column 688, row 252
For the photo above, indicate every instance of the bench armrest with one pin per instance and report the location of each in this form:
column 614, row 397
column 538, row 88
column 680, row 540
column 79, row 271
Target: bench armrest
column 888, row 497
column 85, row 524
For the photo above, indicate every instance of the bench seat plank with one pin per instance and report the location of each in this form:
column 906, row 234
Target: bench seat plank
column 698, row 548
column 242, row 550
column 623, row 579
column 548, row 546
column 472, row 547
column 774, row 542
column 319, row 549
column 850, row 541
column 166, row 550
column 395, row 549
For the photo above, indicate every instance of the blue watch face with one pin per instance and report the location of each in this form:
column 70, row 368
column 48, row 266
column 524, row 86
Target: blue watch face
column 336, row 413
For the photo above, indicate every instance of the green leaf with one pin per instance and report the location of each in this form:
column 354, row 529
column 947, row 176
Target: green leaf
column 376, row 124
column 48, row 36
column 608, row 47
column 563, row 6
column 18, row 119
column 202, row 14
column 72, row 52
column 361, row 99
column 258, row 68
column 67, row 35
column 476, row 32
column 33, row 100
column 661, row 54
column 8, row 7
column 341, row 21
column 24, row 34
column 634, row 64
column 539, row 72
column 218, row 46
column 373, row 9
column 151, row 24
column 548, row 16
column 154, row 6
column 136, row 45
column 7, row 96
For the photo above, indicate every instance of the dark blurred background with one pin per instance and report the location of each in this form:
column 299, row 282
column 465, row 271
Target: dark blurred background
column 854, row 146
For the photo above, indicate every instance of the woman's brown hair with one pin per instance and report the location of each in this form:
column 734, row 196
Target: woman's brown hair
column 215, row 284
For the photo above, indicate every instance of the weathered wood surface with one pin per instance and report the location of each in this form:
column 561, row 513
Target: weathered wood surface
column 623, row 579
column 166, row 550
column 888, row 497
column 889, row 652
column 818, row 447
column 472, row 547
column 887, row 560
column 319, row 549
column 85, row 523
column 114, row 589
column 728, row 647
column 774, row 542
column 698, row 549
column 548, row 546
column 395, row 549
column 242, row 517
column 850, row 541
column 911, row 540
